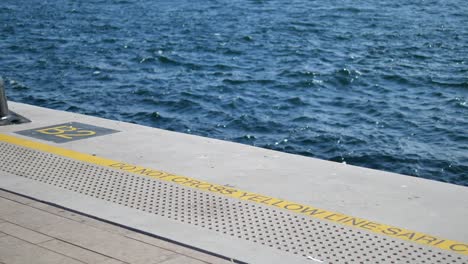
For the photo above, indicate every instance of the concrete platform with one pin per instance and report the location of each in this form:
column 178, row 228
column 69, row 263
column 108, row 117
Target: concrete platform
column 243, row 203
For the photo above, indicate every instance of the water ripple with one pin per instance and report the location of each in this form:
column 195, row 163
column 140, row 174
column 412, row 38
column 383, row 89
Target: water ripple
column 380, row 84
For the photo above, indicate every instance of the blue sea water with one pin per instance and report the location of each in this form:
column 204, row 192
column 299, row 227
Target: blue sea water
column 380, row 84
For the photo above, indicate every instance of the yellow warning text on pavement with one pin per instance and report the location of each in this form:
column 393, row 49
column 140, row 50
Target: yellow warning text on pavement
column 306, row 210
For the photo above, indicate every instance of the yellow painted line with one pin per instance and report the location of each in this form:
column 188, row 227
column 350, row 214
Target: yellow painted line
column 310, row 211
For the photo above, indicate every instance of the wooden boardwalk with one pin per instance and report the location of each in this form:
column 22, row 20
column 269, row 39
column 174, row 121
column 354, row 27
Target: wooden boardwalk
column 34, row 232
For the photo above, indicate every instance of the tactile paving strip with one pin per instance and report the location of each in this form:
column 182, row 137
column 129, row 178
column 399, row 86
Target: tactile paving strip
column 275, row 228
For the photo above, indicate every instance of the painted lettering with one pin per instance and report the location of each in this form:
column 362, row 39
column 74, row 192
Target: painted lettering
column 166, row 175
column 440, row 242
column 459, row 247
column 409, row 235
column 370, row 226
column 229, row 191
column 246, row 194
column 148, row 172
column 426, row 239
column 330, row 217
column 391, row 231
column 78, row 133
column 257, row 198
column 266, row 201
column 355, row 222
column 180, row 179
column 293, row 207
column 117, row 165
column 342, row 219
column 204, row 186
column 312, row 211
column 56, row 130
column 277, row 203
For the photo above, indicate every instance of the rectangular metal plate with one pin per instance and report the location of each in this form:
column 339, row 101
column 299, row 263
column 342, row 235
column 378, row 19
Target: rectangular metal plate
column 67, row 132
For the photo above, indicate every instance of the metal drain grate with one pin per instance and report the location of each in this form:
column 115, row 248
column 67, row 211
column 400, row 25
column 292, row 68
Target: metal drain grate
column 268, row 226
